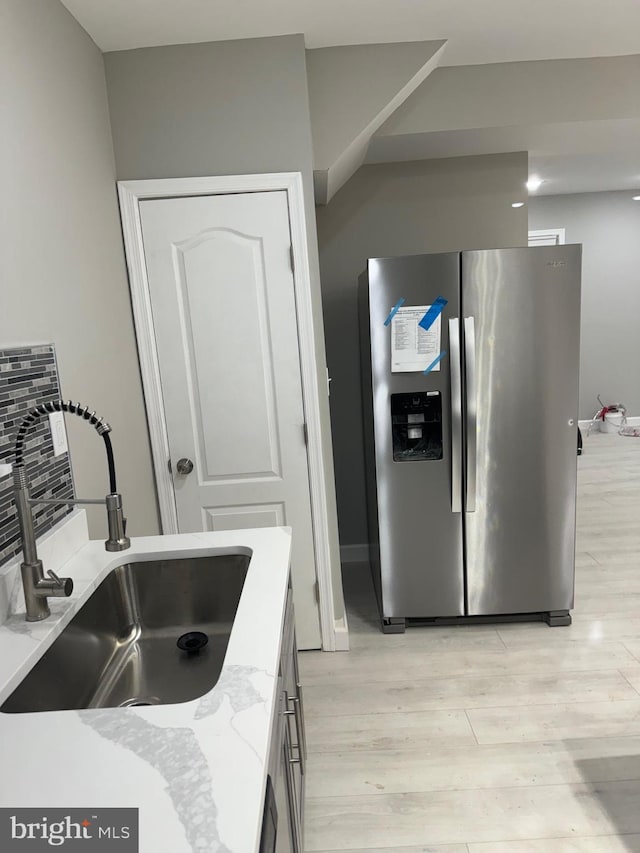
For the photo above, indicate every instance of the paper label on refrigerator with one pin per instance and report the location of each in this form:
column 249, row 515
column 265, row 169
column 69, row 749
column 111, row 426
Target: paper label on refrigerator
column 413, row 349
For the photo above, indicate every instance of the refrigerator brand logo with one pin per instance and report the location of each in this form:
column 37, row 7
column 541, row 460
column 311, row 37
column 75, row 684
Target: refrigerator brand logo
column 70, row 829
column 556, row 263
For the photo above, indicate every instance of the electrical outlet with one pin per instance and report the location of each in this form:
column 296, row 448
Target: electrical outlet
column 58, row 433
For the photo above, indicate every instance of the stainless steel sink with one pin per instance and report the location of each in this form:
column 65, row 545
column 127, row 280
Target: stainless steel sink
column 121, row 648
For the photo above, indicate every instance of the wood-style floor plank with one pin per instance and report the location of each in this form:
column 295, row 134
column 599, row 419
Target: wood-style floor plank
column 507, row 738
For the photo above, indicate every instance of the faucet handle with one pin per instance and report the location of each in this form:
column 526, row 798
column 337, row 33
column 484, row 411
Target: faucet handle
column 63, row 584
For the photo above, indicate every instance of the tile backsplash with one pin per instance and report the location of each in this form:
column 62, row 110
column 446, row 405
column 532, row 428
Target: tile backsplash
column 29, row 376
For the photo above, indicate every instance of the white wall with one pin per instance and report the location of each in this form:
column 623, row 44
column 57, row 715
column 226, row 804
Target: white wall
column 63, row 274
column 608, row 226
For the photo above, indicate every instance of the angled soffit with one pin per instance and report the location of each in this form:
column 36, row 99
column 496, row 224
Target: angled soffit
column 352, row 91
column 579, row 119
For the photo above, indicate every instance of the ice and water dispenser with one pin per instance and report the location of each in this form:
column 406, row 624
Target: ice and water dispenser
column 416, row 424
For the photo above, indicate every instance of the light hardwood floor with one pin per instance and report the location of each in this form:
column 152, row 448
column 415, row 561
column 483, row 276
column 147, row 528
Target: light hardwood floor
column 514, row 738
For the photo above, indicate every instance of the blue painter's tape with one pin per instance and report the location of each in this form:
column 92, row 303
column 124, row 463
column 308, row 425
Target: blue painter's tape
column 433, row 313
column 394, row 310
column 435, row 361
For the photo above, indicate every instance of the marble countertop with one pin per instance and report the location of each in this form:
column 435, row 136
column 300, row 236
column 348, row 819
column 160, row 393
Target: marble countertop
column 196, row 770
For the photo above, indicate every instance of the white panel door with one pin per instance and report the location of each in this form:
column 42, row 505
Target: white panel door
column 223, row 305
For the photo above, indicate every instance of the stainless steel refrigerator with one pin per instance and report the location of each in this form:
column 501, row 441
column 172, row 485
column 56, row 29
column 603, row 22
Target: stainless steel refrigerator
column 470, row 400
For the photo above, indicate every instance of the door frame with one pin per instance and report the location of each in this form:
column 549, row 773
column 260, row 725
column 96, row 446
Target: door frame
column 130, row 194
column 547, row 237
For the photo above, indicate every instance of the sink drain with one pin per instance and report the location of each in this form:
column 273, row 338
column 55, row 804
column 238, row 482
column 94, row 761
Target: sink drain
column 192, row 642
column 139, row 703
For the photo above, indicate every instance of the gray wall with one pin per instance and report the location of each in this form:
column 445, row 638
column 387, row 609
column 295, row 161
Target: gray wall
column 63, row 271
column 223, row 108
column 608, row 226
column 396, row 209
column 217, row 108
column 509, row 93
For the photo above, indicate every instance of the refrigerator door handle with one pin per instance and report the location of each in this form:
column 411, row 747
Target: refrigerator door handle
column 471, row 412
column 456, row 414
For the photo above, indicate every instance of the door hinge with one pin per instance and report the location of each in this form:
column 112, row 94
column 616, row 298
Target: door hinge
column 291, row 261
column 169, row 466
column 305, row 433
column 316, row 589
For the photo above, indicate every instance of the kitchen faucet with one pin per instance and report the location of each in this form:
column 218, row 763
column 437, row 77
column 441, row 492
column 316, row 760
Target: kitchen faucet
column 37, row 588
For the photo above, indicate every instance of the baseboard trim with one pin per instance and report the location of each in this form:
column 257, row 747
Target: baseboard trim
column 354, row 553
column 631, row 421
column 341, row 633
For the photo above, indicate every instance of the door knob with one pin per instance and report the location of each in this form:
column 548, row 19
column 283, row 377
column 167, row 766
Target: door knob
column 184, row 466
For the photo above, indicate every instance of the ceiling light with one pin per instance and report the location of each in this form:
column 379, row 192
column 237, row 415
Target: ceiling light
column 517, row 204
column 534, row 183
column 636, row 197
